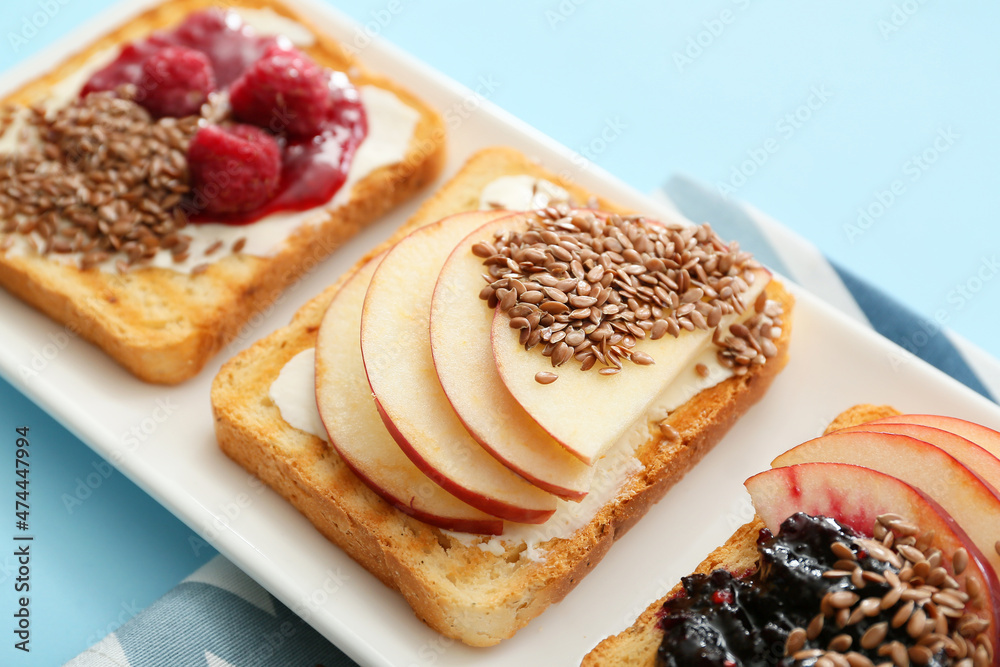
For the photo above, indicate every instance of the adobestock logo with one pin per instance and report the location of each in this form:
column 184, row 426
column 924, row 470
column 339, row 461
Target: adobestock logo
column 958, row 298
column 332, row 583
column 85, row 486
column 901, row 14
column 380, row 20
column 587, row 155
column 786, row 127
column 712, row 29
column 31, row 24
column 45, row 354
column 966, row 291
column 912, row 170
column 142, row 430
column 562, row 12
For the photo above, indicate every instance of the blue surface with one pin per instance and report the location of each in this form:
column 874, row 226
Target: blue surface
column 102, row 548
column 645, row 90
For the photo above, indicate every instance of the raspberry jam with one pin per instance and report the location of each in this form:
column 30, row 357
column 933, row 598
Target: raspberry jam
column 720, row 620
column 313, row 168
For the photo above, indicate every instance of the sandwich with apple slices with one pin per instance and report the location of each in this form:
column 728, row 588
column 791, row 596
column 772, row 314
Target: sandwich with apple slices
column 503, row 389
column 875, row 544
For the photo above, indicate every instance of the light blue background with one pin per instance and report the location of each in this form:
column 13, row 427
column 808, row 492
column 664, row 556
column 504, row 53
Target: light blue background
column 644, row 89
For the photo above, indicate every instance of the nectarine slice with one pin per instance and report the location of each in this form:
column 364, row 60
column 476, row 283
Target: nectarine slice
column 983, row 436
column 935, row 472
column 463, row 356
column 972, row 456
column 395, row 347
column 856, row 496
column 566, row 408
column 348, row 412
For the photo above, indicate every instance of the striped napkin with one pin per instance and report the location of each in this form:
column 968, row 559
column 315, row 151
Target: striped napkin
column 219, row 617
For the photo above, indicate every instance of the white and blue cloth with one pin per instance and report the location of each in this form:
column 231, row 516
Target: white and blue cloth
column 219, row 617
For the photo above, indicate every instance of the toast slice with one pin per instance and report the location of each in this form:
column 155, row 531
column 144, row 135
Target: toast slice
column 162, row 324
column 637, row 645
column 476, row 596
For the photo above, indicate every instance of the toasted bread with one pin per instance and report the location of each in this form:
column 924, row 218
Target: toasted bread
column 637, row 645
column 460, row 590
column 162, row 324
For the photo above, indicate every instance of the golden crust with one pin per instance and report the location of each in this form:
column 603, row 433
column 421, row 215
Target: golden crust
column 860, row 414
column 163, row 325
column 636, row 646
column 460, row 591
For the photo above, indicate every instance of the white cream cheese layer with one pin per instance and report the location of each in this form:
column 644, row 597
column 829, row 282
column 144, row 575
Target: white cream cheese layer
column 521, row 193
column 391, row 124
column 293, row 392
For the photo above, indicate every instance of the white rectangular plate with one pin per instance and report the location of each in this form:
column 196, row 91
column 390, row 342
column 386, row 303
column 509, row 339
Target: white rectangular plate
column 162, row 437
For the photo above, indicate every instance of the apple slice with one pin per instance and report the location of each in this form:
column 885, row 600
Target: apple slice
column 396, row 349
column 938, row 474
column 463, row 356
column 971, row 455
column 355, row 428
column 983, row 436
column 566, row 408
column 856, row 496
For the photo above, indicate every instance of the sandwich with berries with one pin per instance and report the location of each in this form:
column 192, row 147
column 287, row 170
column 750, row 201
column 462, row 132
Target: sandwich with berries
column 875, row 544
column 166, row 183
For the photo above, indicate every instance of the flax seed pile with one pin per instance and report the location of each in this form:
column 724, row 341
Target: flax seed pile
column 100, row 178
column 929, row 603
column 588, row 287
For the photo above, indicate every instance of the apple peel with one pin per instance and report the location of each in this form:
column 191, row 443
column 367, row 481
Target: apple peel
column 355, row 430
column 856, row 496
column 396, row 350
column 460, row 329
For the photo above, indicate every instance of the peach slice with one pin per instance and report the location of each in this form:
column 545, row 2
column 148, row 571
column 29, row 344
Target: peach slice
column 983, row 436
column 355, row 428
column 856, row 496
column 463, row 356
column 935, row 472
column 395, row 347
column 971, row 455
column 569, row 409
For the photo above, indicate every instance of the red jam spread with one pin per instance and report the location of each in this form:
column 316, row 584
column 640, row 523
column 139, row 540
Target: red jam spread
column 313, row 167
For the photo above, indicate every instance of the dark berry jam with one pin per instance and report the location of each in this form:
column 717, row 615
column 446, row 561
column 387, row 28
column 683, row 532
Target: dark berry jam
column 724, row 621
column 313, row 168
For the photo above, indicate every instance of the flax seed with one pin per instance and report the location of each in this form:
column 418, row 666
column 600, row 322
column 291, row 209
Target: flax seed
column 632, row 273
column 89, row 181
column 545, row 377
column 795, row 641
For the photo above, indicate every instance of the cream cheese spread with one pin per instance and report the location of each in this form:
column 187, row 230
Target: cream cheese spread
column 293, row 392
column 521, row 193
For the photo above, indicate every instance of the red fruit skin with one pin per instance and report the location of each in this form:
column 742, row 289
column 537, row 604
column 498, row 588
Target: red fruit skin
column 234, row 169
column 285, row 92
column 176, row 81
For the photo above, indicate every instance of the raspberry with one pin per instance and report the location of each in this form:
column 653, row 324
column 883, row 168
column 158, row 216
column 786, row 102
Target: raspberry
column 283, row 91
column 176, row 81
column 233, row 170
